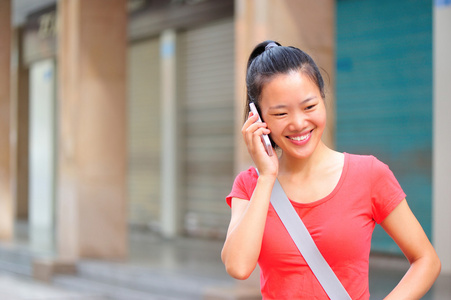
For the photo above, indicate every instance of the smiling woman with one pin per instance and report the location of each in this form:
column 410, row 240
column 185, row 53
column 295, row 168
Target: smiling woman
column 340, row 197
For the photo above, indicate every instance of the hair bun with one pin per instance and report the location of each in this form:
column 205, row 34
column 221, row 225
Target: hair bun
column 260, row 48
column 271, row 45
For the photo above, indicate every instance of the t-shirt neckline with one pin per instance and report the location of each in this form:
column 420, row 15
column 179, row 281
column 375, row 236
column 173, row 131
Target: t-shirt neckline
column 331, row 194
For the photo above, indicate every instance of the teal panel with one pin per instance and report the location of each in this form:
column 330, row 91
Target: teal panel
column 384, row 94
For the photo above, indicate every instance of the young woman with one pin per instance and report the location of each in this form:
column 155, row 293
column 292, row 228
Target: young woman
column 340, row 197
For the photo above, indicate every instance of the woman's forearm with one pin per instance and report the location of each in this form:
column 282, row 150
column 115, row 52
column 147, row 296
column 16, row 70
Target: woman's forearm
column 418, row 279
column 243, row 243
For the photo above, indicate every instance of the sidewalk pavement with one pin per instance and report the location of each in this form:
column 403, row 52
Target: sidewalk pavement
column 17, row 287
column 186, row 262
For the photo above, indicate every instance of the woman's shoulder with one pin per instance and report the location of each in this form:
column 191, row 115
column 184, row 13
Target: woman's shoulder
column 250, row 174
column 368, row 164
column 363, row 159
column 243, row 185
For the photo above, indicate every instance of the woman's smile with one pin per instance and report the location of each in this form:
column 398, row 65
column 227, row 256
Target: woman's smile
column 300, row 139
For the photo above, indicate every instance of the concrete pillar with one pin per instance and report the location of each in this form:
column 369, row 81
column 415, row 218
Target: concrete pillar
column 6, row 196
column 91, row 191
column 169, row 185
column 441, row 135
column 308, row 25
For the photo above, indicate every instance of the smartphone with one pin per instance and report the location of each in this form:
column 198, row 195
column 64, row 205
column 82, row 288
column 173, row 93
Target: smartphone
column 265, row 137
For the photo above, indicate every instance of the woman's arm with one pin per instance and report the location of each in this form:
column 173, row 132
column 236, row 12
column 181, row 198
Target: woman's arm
column 425, row 266
column 244, row 236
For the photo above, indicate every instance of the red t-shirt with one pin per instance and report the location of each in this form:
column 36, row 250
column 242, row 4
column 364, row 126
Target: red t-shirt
column 341, row 225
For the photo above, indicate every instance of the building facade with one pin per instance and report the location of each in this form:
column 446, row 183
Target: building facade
column 127, row 114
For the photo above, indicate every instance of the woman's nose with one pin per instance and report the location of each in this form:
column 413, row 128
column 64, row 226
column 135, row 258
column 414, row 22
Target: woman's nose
column 298, row 122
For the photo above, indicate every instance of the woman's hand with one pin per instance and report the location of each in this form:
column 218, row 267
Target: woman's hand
column 252, row 132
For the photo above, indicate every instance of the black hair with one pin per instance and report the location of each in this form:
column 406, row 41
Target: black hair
column 268, row 59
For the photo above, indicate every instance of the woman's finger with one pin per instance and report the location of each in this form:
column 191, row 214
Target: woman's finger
column 251, row 120
column 256, row 129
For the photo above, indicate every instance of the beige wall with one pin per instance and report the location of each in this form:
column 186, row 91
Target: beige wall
column 308, row 25
column 6, row 197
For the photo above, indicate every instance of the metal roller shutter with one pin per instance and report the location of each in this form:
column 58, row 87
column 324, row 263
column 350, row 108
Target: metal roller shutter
column 384, row 94
column 144, row 134
column 206, row 60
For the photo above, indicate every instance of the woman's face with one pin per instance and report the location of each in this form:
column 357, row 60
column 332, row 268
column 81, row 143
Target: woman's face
column 292, row 107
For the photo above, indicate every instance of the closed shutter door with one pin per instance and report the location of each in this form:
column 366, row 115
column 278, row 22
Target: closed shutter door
column 144, row 133
column 384, row 94
column 206, row 73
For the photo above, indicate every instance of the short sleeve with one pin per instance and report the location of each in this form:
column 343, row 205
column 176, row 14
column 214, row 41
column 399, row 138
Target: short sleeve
column 386, row 192
column 243, row 186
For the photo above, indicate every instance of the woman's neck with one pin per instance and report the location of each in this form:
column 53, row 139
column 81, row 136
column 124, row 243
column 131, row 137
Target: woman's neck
column 305, row 167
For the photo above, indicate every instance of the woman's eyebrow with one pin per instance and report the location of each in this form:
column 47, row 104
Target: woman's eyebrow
column 308, row 99
column 280, row 106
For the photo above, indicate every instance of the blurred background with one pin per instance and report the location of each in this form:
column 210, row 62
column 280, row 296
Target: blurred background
column 120, row 131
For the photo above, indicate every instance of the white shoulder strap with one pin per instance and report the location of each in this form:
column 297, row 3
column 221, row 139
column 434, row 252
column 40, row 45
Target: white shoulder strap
column 301, row 237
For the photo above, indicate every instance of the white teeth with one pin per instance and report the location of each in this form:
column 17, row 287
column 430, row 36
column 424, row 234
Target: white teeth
column 300, row 138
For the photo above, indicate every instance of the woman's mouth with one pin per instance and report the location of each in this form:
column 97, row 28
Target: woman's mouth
column 300, row 138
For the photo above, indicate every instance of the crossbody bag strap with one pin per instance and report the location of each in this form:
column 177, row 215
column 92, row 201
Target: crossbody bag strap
column 307, row 247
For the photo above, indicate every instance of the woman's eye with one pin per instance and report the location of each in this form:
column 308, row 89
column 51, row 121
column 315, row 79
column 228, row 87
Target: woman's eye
column 279, row 114
column 310, row 107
